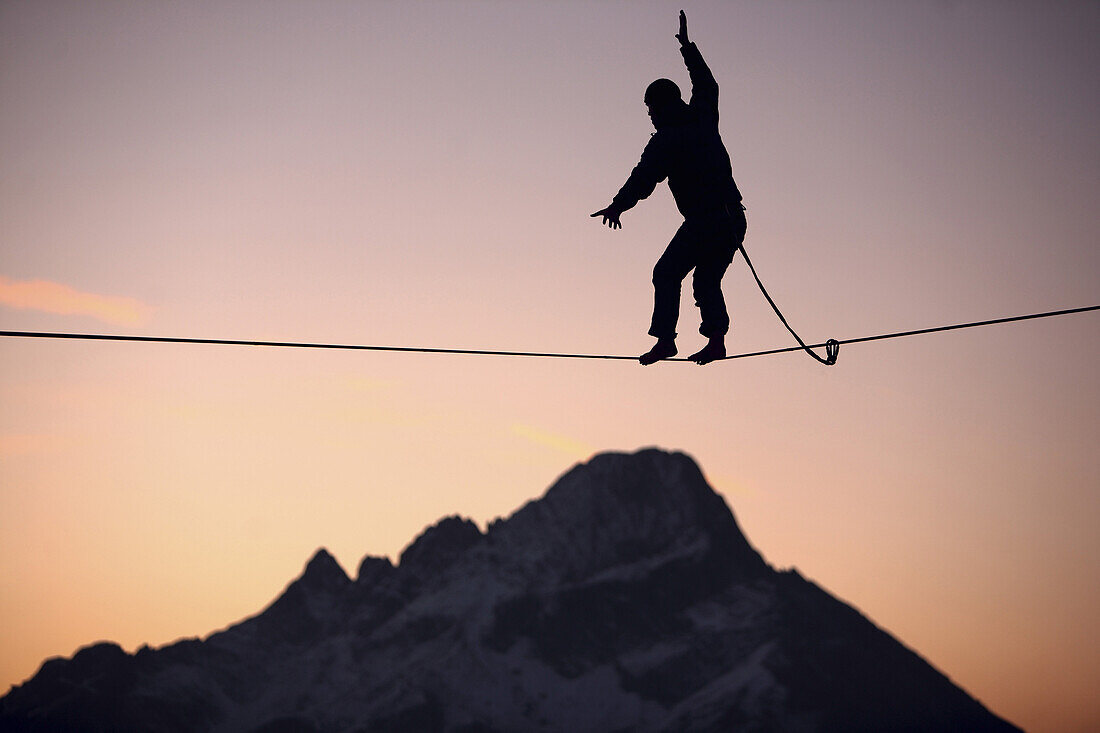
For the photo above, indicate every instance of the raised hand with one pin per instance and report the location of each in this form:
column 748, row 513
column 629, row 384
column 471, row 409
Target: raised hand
column 682, row 36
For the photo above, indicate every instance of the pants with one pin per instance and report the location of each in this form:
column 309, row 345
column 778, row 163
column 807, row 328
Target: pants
column 706, row 245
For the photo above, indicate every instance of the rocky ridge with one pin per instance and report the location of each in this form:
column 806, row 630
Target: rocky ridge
column 625, row 598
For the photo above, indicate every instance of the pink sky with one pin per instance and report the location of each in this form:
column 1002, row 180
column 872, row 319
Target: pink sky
column 422, row 174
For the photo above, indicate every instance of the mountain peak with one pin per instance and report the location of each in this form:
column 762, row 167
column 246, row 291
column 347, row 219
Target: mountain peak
column 323, row 572
column 439, row 545
column 620, row 508
column 372, row 569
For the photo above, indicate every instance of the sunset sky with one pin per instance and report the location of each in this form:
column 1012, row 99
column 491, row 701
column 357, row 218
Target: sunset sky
column 421, row 174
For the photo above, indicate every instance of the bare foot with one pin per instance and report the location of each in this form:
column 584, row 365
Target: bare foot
column 713, row 351
column 663, row 349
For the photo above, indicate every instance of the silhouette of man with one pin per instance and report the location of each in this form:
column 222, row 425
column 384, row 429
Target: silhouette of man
column 688, row 151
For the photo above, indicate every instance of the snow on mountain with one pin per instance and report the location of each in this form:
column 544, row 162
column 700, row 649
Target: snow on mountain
column 625, row 599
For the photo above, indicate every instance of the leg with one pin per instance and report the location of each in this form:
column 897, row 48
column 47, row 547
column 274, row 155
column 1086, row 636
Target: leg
column 724, row 237
column 668, row 274
column 707, row 284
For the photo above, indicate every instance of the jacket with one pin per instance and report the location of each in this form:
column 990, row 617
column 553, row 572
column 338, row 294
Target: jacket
column 688, row 151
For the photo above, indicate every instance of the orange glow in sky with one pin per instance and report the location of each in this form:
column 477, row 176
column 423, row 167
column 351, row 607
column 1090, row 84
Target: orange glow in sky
column 52, row 297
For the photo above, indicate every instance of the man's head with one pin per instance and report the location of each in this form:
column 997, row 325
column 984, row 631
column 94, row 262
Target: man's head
column 662, row 98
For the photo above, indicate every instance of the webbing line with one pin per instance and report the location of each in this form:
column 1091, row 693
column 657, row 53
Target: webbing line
column 490, row 352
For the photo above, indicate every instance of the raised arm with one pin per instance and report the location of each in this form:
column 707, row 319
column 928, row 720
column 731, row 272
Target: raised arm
column 704, row 89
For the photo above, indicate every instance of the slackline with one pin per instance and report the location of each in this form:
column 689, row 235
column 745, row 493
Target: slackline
column 539, row 354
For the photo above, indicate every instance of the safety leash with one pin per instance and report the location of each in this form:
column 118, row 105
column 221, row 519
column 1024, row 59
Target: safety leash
column 832, row 346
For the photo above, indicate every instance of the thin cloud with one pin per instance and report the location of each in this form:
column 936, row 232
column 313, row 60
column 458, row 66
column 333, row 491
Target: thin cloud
column 52, row 297
column 560, row 443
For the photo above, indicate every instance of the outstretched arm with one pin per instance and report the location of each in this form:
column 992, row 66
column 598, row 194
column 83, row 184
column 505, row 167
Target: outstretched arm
column 643, row 179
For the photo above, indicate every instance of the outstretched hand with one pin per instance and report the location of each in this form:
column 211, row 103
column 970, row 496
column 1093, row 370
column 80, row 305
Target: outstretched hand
column 682, row 36
column 610, row 217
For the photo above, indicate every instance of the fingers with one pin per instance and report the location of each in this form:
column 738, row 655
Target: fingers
column 611, row 220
